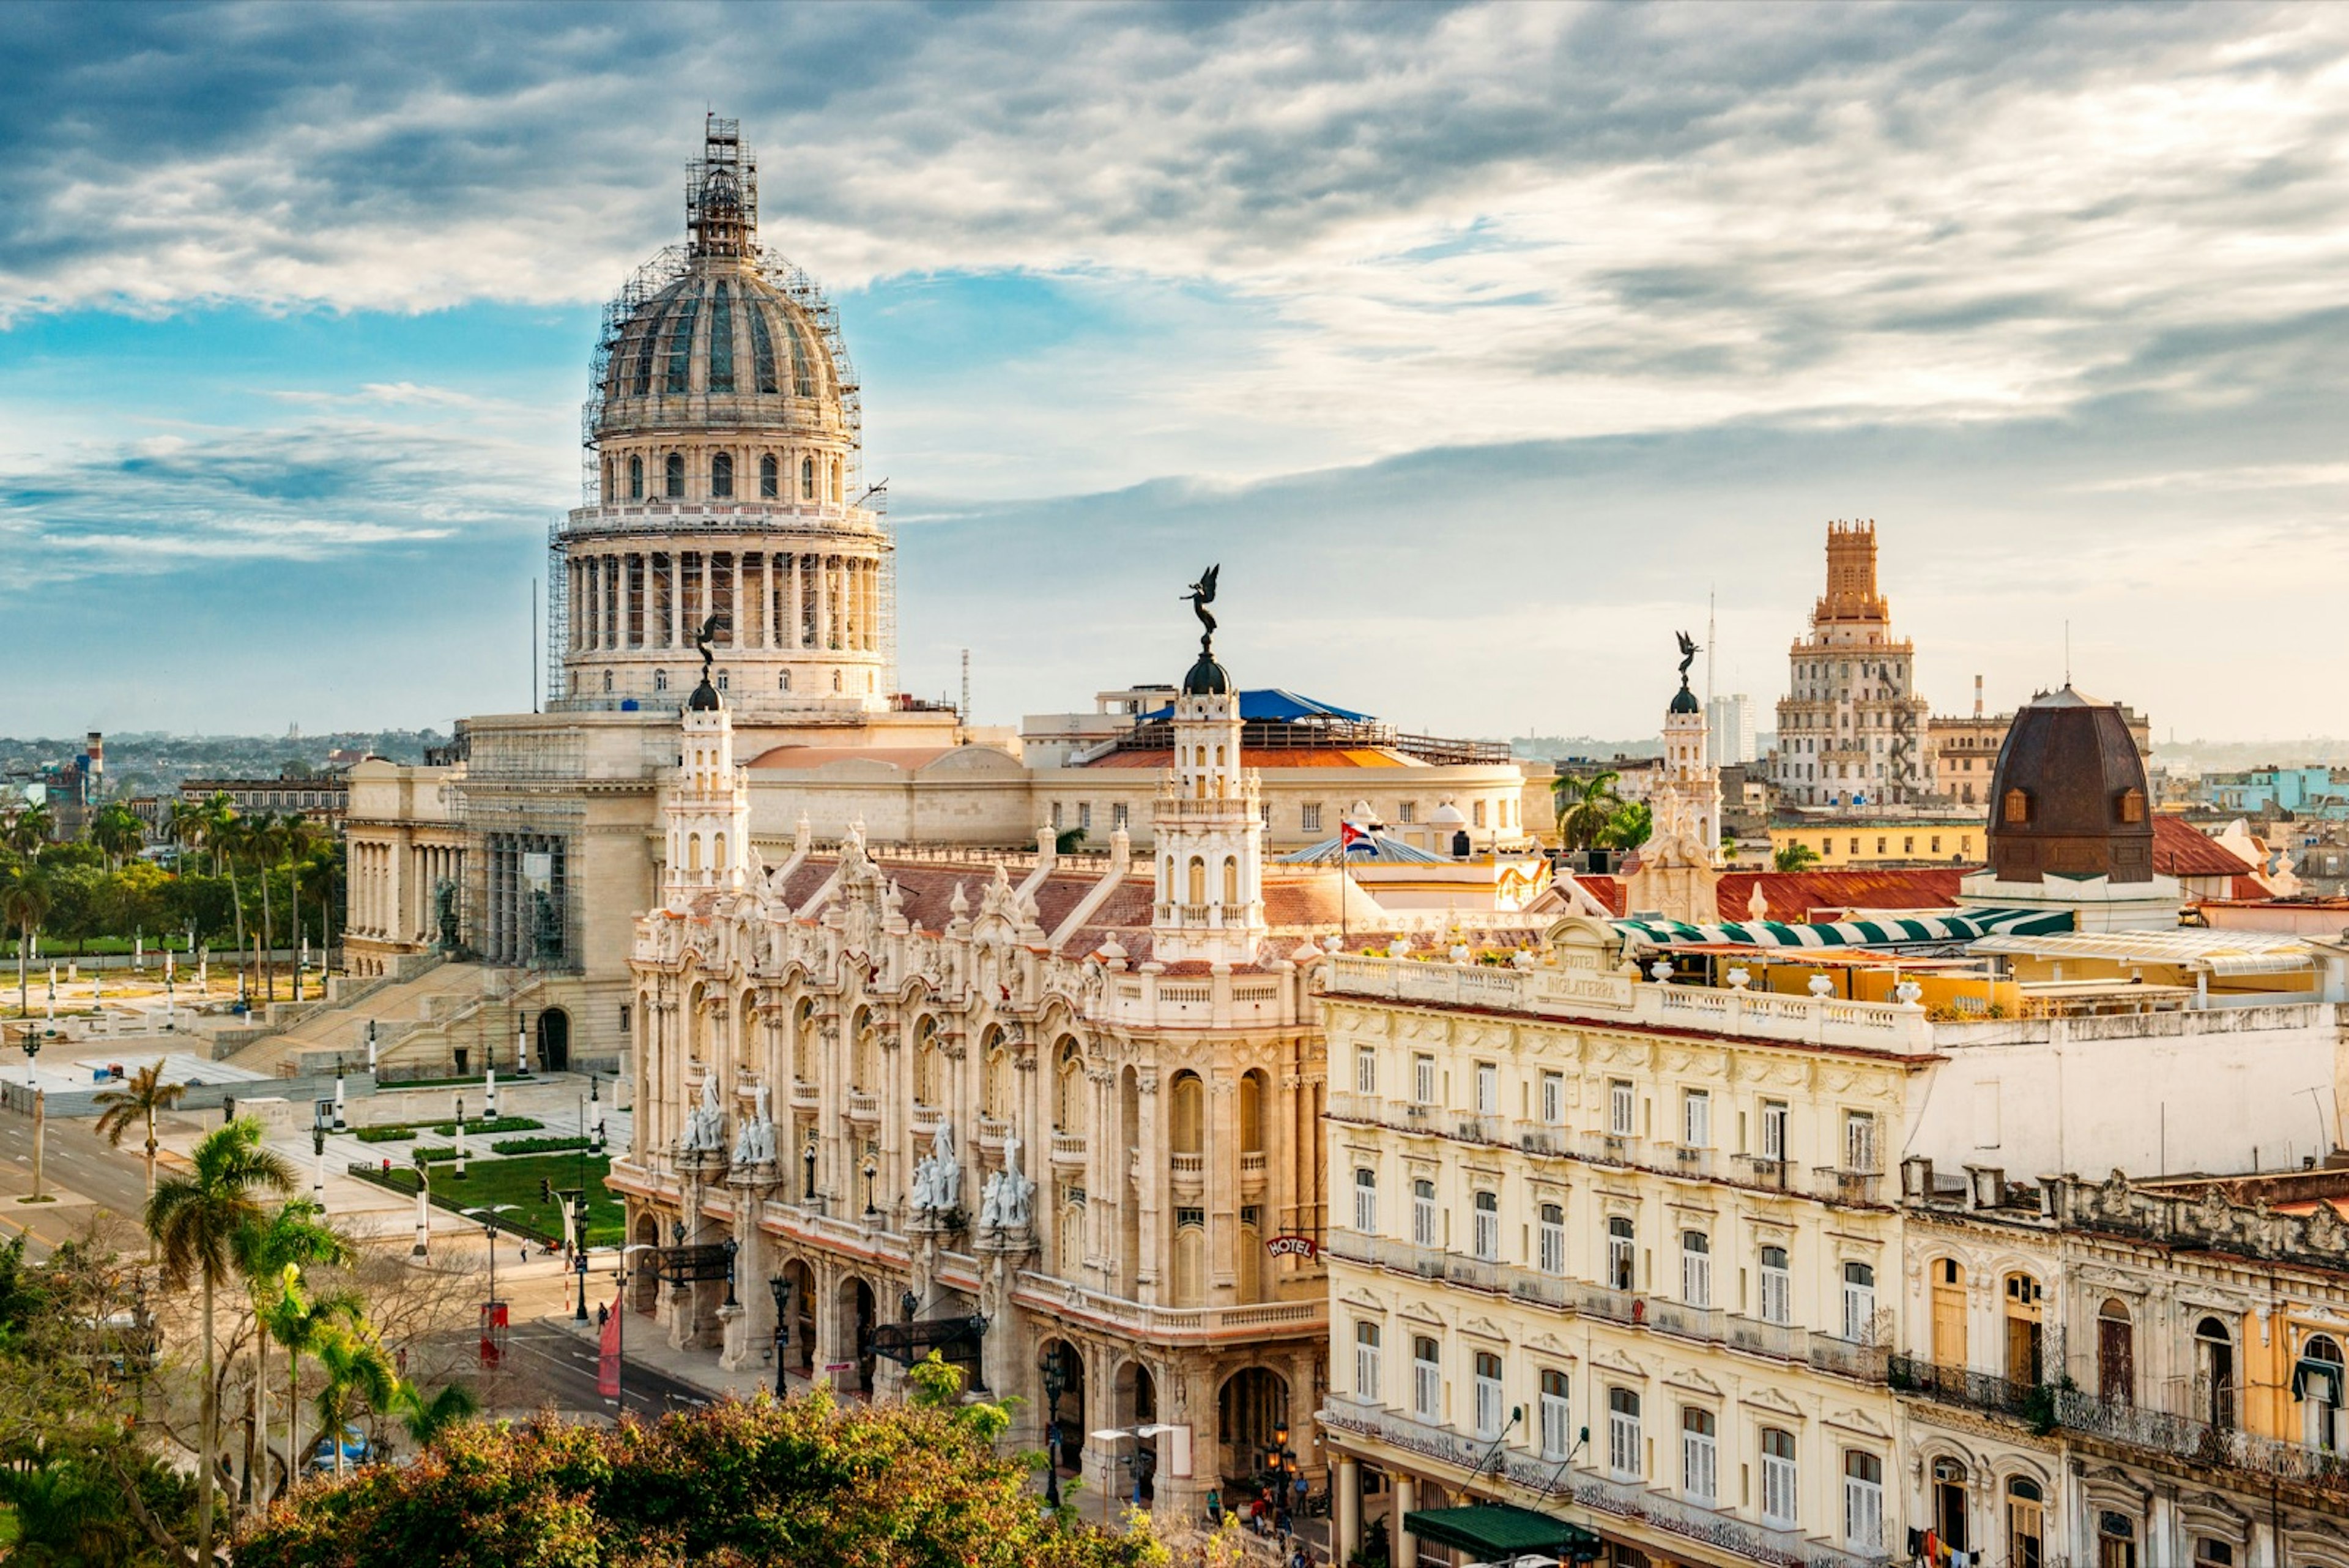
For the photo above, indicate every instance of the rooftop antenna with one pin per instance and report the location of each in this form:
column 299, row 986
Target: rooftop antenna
column 966, row 686
column 1709, row 640
column 533, row 645
column 2067, row 653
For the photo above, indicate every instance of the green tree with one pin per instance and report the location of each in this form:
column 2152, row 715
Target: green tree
column 1796, row 856
column 28, row 832
column 426, row 1419
column 358, row 1370
column 139, row 1099
column 1584, row 808
column 69, row 1514
column 1629, row 826
column 271, row 1254
column 195, row 1220
column 24, row 904
column 117, row 834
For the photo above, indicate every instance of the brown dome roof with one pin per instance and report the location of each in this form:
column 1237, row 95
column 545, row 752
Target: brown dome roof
column 2069, row 798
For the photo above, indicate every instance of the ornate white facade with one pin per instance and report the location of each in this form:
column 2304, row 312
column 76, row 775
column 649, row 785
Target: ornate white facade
column 1852, row 728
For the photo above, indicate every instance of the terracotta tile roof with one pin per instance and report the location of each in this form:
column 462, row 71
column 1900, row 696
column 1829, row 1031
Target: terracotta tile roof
column 2181, row 850
column 1800, row 896
column 1272, row 757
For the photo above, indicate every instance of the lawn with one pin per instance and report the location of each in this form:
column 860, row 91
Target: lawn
column 515, row 1181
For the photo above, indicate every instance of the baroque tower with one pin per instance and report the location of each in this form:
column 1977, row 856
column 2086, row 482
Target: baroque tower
column 1208, row 822
column 722, row 434
column 707, row 808
column 1852, row 728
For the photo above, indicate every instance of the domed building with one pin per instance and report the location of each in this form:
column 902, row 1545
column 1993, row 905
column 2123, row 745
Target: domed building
column 722, row 428
column 2070, row 822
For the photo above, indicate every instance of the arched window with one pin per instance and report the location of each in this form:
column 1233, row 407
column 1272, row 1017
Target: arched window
column 721, row 476
column 1696, row 1268
column 1950, row 1504
column 782, row 681
column 721, row 338
column 2316, row 1382
column 1619, row 1252
column 1699, row 1456
column 807, row 479
column 2115, row 1353
column 1198, row 881
column 661, row 679
column 2015, row 806
column 2214, row 1374
column 1863, row 1502
column 1778, row 1295
column 1366, row 1362
column 1557, row 1417
column 1778, row 1475
column 1488, row 1227
column 762, row 352
column 2115, row 1540
column 835, row 680
column 1190, row 1263
column 1624, row 1455
column 1366, row 1200
column 1231, row 880
column 1490, row 1416
column 680, row 346
column 676, row 477
column 1552, row 1239
column 2026, row 1524
column 1186, row 1099
column 1859, row 1304
column 1068, row 1105
column 636, row 479
column 768, row 480
column 2023, row 1338
column 1426, row 1380
column 1427, row 1223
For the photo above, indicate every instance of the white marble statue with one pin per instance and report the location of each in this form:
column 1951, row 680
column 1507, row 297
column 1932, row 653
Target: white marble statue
column 946, row 1172
column 1004, row 1204
column 704, row 1125
column 756, row 1145
column 925, row 1193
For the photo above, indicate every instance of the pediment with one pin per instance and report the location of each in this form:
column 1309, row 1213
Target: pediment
column 1859, row 1421
column 1692, row 1380
column 1774, row 1402
column 1361, row 1300
column 1612, row 1360
column 1484, row 1328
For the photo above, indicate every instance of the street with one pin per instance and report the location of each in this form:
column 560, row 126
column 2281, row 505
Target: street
column 546, row 1365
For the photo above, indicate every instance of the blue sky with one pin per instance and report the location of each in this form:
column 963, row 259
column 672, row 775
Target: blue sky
column 1477, row 343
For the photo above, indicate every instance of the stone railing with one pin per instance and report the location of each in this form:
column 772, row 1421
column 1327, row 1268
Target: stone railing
column 863, row 1107
column 1586, row 993
column 1712, row 1527
column 805, row 1096
column 1068, row 1148
column 1173, row 1324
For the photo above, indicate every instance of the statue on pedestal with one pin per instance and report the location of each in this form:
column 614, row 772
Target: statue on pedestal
column 756, row 1144
column 704, row 1125
column 1004, row 1204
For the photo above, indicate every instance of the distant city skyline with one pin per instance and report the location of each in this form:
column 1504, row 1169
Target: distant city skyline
column 1478, row 344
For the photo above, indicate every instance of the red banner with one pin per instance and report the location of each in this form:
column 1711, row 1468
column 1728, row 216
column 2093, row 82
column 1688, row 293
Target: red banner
column 607, row 1360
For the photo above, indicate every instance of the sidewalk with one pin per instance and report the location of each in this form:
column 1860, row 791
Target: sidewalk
column 648, row 1347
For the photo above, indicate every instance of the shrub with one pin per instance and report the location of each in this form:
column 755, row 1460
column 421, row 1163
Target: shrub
column 386, row 1134
column 478, row 1126
column 539, row 1144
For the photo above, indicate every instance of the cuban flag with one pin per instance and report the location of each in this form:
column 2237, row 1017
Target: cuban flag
column 1355, row 840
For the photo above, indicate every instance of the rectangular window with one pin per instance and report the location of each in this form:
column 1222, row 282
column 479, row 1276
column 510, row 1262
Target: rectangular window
column 1698, row 1456
column 1366, row 1070
column 1618, row 1253
column 624, row 1017
column 1366, row 1202
column 1774, row 1129
column 1618, row 1107
column 1556, row 1418
column 1312, row 819
column 1085, row 814
column 1859, row 1304
column 1117, row 814
column 1696, row 1119
column 1553, row 1099
column 1056, row 816
column 1426, row 1224
column 1366, row 1362
column 1488, row 1227
column 1264, row 812
column 1860, row 1141
column 1422, row 1079
column 1478, row 814
column 1489, row 1088
column 1407, row 812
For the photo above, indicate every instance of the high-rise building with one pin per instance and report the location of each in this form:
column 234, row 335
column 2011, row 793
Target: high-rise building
column 1851, row 726
column 1729, row 723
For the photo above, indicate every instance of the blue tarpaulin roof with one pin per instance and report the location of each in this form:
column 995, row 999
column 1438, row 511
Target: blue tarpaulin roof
column 1272, row 703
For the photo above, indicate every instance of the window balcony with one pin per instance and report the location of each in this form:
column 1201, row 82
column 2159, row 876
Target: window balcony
column 1659, row 1510
column 926, row 1120
column 991, row 1133
column 1068, row 1148
column 1252, row 1170
column 804, row 1095
column 2031, row 1402
column 2201, row 1443
column 1380, row 1252
column 863, row 1107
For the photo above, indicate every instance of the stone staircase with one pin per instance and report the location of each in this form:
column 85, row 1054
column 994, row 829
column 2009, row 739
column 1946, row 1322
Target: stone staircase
column 420, row 1016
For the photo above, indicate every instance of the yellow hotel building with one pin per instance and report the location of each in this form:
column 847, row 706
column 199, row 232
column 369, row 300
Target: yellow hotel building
column 1618, row 1255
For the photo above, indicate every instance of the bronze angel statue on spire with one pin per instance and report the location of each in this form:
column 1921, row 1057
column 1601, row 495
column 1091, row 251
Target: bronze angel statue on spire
column 1688, row 654
column 1202, row 595
column 705, row 636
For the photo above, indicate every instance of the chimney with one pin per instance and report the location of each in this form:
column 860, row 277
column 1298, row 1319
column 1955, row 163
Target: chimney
column 1977, row 700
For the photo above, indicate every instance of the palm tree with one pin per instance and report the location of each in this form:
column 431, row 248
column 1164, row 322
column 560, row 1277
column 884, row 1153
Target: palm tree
column 264, row 837
column 141, row 1097
column 226, row 835
column 296, row 834
column 67, row 1513
column 301, row 1320
column 1796, row 857
column 24, row 904
column 428, row 1419
column 270, row 1255
column 357, row 1368
column 186, row 824
column 195, row 1220
column 1584, row 808
column 1631, row 824
column 29, row 830
column 219, row 813
column 117, row 834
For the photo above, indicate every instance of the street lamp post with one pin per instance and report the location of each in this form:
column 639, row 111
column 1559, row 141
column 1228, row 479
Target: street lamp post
column 808, row 1154
column 781, row 1288
column 32, row 1050
column 1054, row 1382
column 872, row 1168
column 318, row 1149
column 579, row 1266
column 521, row 1044
column 370, row 1047
column 731, row 1247
column 460, row 1137
column 340, row 1125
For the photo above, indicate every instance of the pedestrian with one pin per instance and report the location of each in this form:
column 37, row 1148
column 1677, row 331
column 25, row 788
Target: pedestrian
column 1215, row 1507
column 1301, row 1487
column 603, row 1314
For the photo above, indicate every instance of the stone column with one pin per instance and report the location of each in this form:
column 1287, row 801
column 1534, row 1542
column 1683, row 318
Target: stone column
column 822, row 602
column 1346, row 1507
column 676, row 597
column 750, row 1333
column 825, row 1311
column 1406, row 1499
column 1149, row 1194
column 798, row 601
column 767, row 599
column 1223, row 1186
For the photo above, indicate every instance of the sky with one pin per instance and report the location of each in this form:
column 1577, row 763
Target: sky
column 1480, row 345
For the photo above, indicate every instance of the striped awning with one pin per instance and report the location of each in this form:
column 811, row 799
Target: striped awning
column 1889, row 932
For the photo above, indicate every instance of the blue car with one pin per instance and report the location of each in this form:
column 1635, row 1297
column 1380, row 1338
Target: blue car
column 357, row 1451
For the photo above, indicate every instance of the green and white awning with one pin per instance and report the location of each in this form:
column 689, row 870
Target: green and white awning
column 1890, row 931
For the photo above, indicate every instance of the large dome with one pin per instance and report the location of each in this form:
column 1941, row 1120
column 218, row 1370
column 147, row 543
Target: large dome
column 2069, row 797
column 721, row 345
